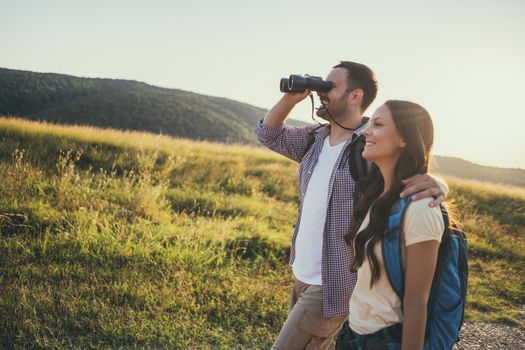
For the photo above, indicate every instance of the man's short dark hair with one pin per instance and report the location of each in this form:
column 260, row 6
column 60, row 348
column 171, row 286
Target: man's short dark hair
column 360, row 77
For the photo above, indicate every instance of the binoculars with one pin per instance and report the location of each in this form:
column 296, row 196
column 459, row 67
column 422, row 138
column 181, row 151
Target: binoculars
column 299, row 83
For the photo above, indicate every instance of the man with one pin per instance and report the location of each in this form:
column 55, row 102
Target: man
column 320, row 258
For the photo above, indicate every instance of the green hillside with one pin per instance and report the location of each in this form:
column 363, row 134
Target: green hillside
column 127, row 105
column 115, row 239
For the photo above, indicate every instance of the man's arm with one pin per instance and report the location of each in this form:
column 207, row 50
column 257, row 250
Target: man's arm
column 271, row 131
column 428, row 186
column 278, row 114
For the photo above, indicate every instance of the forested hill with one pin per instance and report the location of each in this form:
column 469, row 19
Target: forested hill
column 127, row 105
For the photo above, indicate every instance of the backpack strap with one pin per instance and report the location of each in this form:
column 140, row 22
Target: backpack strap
column 358, row 165
column 393, row 247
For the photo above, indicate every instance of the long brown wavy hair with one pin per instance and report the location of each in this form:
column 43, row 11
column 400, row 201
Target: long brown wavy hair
column 415, row 127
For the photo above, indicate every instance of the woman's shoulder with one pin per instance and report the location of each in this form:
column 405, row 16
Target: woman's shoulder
column 422, row 223
column 422, row 205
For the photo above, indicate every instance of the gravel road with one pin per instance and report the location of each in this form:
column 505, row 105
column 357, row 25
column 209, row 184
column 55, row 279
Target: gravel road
column 484, row 335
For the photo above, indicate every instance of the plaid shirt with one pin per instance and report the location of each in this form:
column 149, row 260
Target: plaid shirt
column 338, row 281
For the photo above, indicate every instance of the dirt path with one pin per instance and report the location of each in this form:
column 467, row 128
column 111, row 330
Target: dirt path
column 484, row 335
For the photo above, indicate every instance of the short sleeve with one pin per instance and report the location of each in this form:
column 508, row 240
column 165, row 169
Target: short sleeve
column 422, row 223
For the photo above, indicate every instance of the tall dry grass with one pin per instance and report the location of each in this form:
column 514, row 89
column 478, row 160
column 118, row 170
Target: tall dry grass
column 115, row 239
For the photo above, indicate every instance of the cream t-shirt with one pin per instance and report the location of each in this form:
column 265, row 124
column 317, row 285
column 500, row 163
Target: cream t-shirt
column 378, row 307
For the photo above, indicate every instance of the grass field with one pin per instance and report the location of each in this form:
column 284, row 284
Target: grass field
column 121, row 239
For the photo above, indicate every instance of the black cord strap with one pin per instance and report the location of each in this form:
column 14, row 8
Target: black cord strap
column 312, row 99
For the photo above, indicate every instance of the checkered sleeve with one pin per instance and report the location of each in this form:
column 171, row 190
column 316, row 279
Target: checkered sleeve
column 288, row 141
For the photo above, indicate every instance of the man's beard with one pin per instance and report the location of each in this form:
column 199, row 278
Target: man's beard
column 322, row 113
column 328, row 114
column 337, row 108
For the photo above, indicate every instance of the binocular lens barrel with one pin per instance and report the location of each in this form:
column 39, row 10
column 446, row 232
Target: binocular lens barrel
column 298, row 83
column 283, row 85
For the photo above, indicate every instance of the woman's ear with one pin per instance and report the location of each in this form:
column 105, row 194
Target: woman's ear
column 402, row 143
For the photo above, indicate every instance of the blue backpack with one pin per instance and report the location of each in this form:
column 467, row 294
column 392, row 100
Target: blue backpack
column 446, row 303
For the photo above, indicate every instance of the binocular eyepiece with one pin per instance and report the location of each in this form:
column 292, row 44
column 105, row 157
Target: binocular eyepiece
column 299, row 83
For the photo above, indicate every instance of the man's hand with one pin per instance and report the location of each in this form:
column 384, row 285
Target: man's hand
column 295, row 97
column 278, row 114
column 428, row 186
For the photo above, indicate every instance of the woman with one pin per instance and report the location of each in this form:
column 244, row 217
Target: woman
column 398, row 142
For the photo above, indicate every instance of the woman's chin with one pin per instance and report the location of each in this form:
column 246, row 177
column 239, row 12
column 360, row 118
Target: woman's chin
column 368, row 155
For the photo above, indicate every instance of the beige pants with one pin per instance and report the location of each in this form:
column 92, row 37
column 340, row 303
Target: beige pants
column 305, row 327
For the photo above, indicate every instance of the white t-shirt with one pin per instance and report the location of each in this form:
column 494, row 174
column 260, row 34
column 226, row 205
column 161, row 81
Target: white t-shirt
column 309, row 241
column 378, row 307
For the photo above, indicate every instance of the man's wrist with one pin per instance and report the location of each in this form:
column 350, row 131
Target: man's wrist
column 288, row 101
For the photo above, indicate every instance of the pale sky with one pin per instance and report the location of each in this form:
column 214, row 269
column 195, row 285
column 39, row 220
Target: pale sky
column 462, row 60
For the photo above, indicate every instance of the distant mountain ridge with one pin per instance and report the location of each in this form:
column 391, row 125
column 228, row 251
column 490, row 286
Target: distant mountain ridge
column 133, row 105
column 128, row 105
column 468, row 170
